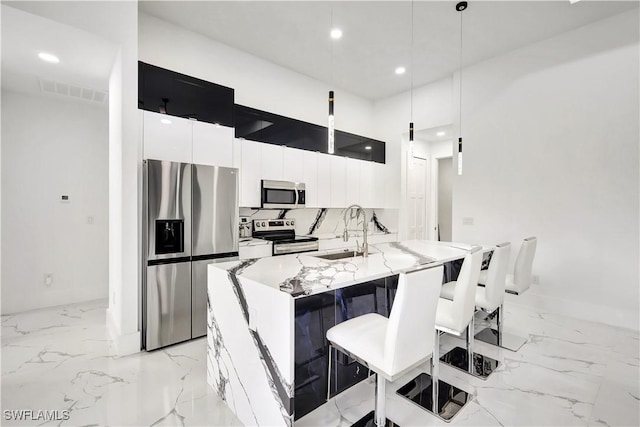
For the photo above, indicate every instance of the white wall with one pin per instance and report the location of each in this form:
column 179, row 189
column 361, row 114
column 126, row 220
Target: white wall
column 257, row 83
column 551, row 150
column 53, row 146
column 432, row 107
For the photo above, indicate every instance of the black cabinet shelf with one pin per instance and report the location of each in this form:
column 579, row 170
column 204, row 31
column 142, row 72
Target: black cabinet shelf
column 175, row 94
column 262, row 126
column 165, row 91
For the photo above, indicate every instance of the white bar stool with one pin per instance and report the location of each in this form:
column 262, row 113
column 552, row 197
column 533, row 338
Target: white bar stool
column 490, row 299
column 453, row 316
column 520, row 280
column 392, row 346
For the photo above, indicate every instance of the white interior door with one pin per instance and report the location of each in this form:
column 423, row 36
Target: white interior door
column 445, row 178
column 416, row 199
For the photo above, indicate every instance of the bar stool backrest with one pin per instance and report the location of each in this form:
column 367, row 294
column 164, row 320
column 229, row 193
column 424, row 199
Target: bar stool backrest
column 464, row 297
column 524, row 262
column 497, row 275
column 411, row 329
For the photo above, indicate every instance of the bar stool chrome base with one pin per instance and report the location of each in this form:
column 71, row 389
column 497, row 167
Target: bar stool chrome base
column 503, row 340
column 450, row 399
column 497, row 336
column 481, row 367
column 369, row 420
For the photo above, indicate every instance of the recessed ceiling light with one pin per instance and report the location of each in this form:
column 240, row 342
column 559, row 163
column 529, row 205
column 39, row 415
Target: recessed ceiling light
column 400, row 70
column 336, row 33
column 368, row 147
column 441, row 133
column 165, row 121
column 48, row 57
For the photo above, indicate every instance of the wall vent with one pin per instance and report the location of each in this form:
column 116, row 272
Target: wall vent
column 73, row 91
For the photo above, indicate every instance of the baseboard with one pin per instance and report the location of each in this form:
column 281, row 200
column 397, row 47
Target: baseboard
column 124, row 344
column 612, row 316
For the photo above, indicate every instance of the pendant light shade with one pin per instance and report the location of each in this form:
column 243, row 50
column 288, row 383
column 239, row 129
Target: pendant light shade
column 460, row 156
column 331, row 133
column 460, row 7
column 411, row 140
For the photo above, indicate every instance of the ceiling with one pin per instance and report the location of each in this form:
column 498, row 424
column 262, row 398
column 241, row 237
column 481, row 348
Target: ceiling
column 85, row 59
column 377, row 34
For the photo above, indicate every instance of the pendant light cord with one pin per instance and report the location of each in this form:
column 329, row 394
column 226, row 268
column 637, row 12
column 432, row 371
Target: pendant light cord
column 460, row 74
column 412, row 60
column 331, row 51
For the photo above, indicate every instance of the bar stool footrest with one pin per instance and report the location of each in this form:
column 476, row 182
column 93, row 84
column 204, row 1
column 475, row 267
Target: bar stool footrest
column 451, row 399
column 509, row 341
column 481, row 367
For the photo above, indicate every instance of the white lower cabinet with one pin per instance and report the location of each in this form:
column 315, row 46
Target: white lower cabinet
column 257, row 251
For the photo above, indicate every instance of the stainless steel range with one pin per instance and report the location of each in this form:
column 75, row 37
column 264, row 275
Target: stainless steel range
column 283, row 235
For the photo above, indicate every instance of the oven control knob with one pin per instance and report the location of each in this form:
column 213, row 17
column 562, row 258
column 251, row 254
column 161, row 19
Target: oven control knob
column 262, row 224
column 288, row 223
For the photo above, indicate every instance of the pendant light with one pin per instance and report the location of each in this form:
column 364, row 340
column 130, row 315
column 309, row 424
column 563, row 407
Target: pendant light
column 411, row 143
column 335, row 35
column 460, row 7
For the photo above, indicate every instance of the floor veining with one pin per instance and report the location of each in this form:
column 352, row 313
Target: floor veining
column 59, row 368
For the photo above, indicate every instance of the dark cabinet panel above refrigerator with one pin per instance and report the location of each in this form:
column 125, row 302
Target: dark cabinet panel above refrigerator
column 165, row 91
column 262, row 126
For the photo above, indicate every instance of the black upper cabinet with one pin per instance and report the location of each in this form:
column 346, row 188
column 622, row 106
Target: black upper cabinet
column 261, row 126
column 165, row 91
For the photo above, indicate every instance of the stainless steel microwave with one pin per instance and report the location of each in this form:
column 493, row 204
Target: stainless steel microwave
column 282, row 194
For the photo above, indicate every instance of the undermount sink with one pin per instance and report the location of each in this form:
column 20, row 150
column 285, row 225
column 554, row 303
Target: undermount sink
column 340, row 255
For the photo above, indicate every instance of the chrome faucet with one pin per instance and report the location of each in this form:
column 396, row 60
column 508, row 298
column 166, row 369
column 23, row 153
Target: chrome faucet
column 345, row 233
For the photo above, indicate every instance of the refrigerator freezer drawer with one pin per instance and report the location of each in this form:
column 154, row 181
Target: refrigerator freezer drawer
column 168, row 311
column 199, row 295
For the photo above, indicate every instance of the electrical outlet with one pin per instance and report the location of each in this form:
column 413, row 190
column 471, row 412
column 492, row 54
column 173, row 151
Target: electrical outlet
column 467, row 221
column 48, row 280
column 90, row 220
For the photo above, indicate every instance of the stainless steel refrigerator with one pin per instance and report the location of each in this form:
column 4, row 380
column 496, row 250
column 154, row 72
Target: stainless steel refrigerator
column 191, row 221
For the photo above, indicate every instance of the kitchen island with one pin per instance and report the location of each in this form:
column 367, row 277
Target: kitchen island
column 267, row 320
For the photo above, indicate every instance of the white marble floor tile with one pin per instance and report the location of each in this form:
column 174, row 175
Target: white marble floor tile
column 570, row 372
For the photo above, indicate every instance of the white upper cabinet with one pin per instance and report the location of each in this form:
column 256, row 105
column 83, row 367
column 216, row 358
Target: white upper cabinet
column 237, row 153
column 338, row 182
column 212, row 144
column 323, row 197
column 378, row 183
column 293, row 164
column 310, row 177
column 353, row 182
column 250, row 174
column 166, row 137
column 272, row 161
column 366, row 184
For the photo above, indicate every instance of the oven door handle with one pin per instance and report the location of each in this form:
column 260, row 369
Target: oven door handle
column 295, row 247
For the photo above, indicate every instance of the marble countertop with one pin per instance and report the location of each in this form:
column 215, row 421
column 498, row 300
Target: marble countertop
column 251, row 241
column 304, row 274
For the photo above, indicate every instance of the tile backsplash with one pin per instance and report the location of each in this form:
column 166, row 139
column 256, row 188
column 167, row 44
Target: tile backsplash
column 329, row 221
